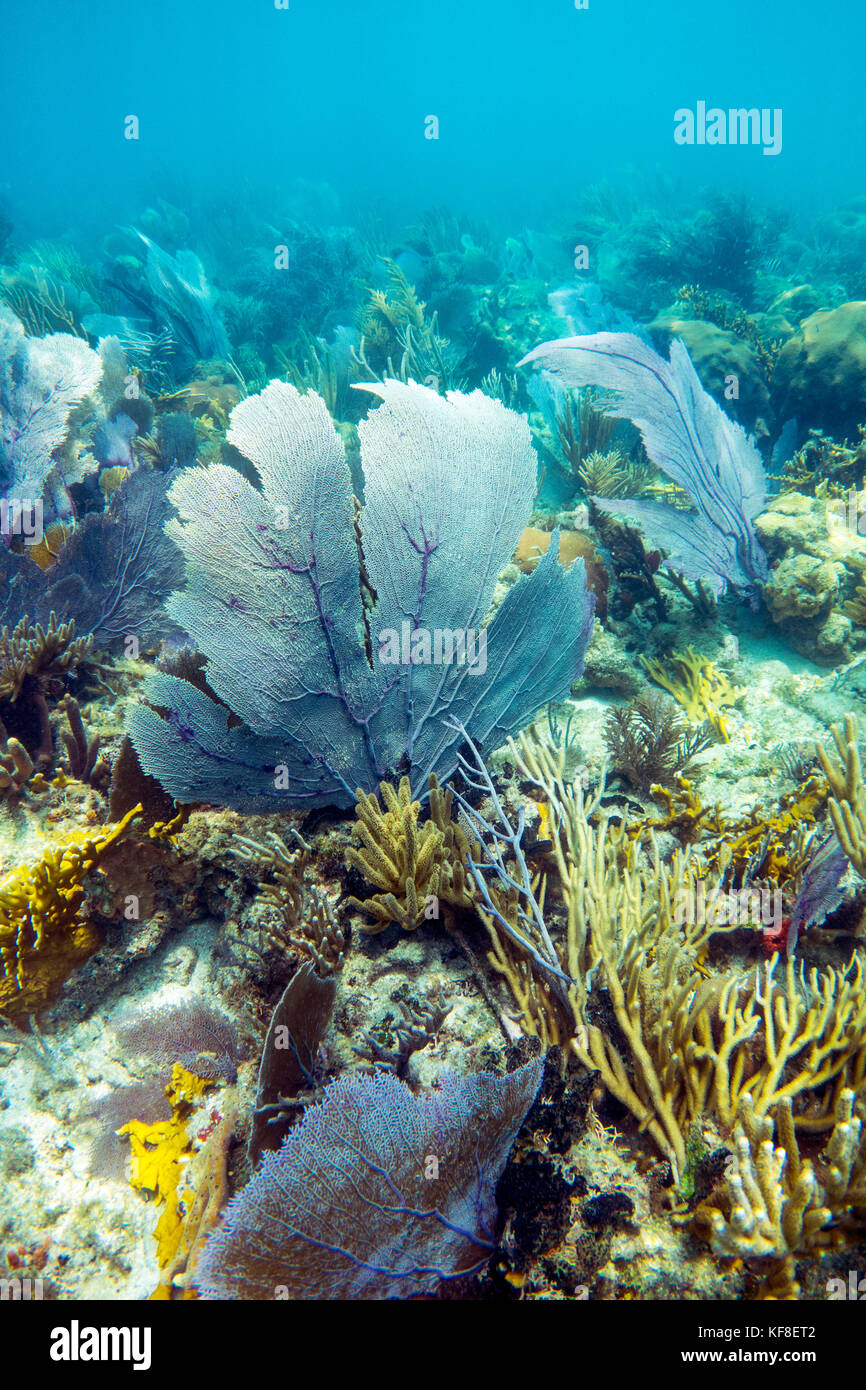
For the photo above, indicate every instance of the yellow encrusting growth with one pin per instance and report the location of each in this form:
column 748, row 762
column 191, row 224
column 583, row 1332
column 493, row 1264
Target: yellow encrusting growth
column 168, row 830
column 160, row 1152
column 698, row 685
column 765, row 844
column 190, row 1187
column 42, row 936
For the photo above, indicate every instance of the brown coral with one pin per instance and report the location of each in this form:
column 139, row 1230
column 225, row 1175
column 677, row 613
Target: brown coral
column 16, row 767
column 30, row 650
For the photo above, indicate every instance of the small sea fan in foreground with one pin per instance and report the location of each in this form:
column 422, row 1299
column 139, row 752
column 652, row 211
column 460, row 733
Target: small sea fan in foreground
column 377, row 1194
column 145, row 1100
column 193, row 1033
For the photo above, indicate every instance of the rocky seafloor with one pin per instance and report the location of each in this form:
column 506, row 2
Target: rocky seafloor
column 589, row 1208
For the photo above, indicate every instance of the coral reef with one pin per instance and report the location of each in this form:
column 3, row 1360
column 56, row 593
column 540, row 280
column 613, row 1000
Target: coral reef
column 821, row 371
column 410, row 943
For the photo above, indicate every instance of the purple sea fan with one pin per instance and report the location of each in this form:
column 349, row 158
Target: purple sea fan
column 41, row 380
column 690, row 438
column 820, row 891
column 379, row 1193
column 192, row 1032
column 294, row 597
column 111, row 576
column 144, row 1100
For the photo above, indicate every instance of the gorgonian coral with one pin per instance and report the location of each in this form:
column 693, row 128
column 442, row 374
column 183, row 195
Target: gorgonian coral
column 378, row 1193
column 343, row 643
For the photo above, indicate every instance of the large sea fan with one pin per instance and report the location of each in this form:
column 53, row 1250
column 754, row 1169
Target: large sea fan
column 290, row 594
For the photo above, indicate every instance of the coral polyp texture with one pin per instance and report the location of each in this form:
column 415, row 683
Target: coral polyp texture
column 43, row 937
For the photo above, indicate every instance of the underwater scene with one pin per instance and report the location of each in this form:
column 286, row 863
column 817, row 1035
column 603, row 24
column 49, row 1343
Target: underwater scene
column 432, row 654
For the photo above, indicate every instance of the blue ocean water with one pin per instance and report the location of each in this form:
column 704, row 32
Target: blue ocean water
column 534, row 101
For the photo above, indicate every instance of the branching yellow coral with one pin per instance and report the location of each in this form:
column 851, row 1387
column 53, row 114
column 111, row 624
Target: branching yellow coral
column 758, row 1040
column 415, row 866
column 42, row 937
column 169, row 830
column 769, row 1207
column 848, row 804
column 773, row 1204
column 696, row 1046
column 698, row 685
column 30, row 650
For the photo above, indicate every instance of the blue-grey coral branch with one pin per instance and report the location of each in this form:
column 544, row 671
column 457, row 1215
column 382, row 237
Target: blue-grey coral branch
column 506, row 840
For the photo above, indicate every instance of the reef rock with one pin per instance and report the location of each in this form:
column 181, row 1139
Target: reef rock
column 819, row 563
column 821, row 371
